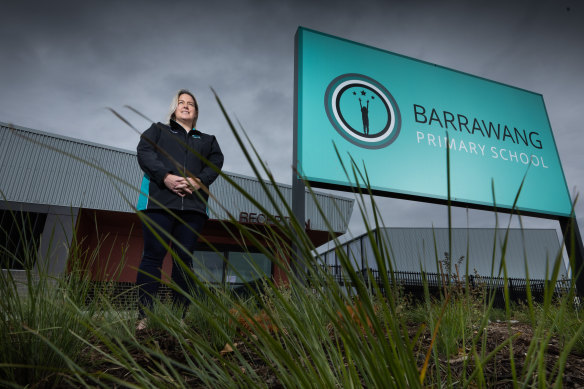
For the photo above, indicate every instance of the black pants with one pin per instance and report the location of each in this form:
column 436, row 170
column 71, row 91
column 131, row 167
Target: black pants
column 154, row 253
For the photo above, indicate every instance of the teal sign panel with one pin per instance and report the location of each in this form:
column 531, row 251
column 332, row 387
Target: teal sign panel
column 396, row 117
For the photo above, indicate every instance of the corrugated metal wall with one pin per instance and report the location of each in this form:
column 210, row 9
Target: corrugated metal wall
column 412, row 249
column 43, row 168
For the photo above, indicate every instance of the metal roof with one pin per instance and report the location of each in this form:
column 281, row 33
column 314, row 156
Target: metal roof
column 412, row 249
column 43, row 168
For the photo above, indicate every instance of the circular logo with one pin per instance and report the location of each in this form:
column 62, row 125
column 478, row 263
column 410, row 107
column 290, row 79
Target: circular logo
column 362, row 111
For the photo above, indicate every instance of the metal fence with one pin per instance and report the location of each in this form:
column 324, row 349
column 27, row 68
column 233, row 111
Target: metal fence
column 124, row 295
column 414, row 284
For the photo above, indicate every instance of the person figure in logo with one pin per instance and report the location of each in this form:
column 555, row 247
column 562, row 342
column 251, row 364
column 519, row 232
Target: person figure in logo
column 365, row 116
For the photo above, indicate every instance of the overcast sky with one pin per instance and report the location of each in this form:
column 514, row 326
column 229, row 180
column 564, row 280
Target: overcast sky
column 63, row 63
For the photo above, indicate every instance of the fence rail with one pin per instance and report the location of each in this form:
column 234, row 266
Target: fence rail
column 124, row 294
column 413, row 283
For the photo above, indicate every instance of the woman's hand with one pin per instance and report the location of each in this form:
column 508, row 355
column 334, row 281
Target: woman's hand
column 194, row 182
column 177, row 184
column 182, row 186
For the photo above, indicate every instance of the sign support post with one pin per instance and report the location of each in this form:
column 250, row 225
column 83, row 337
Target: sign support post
column 575, row 249
column 298, row 187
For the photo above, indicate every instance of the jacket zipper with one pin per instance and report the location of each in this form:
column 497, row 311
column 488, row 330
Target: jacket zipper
column 182, row 199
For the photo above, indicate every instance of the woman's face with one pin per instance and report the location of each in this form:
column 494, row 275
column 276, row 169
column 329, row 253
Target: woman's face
column 185, row 110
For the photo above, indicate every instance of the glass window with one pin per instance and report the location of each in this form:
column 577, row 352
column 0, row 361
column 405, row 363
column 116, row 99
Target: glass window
column 208, row 266
column 369, row 260
column 333, row 261
column 327, row 258
column 20, row 234
column 247, row 267
column 355, row 253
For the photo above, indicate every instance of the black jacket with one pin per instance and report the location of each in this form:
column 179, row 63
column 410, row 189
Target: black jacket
column 170, row 149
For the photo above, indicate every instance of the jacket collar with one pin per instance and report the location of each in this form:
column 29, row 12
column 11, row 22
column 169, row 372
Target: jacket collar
column 177, row 127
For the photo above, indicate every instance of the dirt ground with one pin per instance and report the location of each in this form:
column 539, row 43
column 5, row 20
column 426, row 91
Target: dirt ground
column 498, row 372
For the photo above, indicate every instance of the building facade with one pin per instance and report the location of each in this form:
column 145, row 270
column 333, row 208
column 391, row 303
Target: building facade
column 65, row 198
column 469, row 251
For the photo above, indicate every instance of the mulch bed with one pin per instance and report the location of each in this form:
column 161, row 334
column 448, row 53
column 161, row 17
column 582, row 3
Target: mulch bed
column 497, row 372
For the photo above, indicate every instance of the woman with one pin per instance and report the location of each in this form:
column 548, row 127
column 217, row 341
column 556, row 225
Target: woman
column 172, row 157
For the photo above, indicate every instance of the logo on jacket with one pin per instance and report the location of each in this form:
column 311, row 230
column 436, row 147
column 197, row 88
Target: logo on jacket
column 362, row 111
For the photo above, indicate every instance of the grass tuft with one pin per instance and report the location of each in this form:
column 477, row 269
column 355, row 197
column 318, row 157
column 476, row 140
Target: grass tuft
column 311, row 331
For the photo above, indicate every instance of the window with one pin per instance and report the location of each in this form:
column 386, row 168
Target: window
column 354, row 252
column 247, row 267
column 20, row 234
column 240, row 267
column 369, row 259
column 208, row 266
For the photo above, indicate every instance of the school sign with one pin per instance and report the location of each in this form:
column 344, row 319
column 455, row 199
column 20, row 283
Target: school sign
column 396, row 117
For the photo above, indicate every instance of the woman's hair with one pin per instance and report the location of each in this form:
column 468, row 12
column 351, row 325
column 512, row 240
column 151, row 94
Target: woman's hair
column 174, row 104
